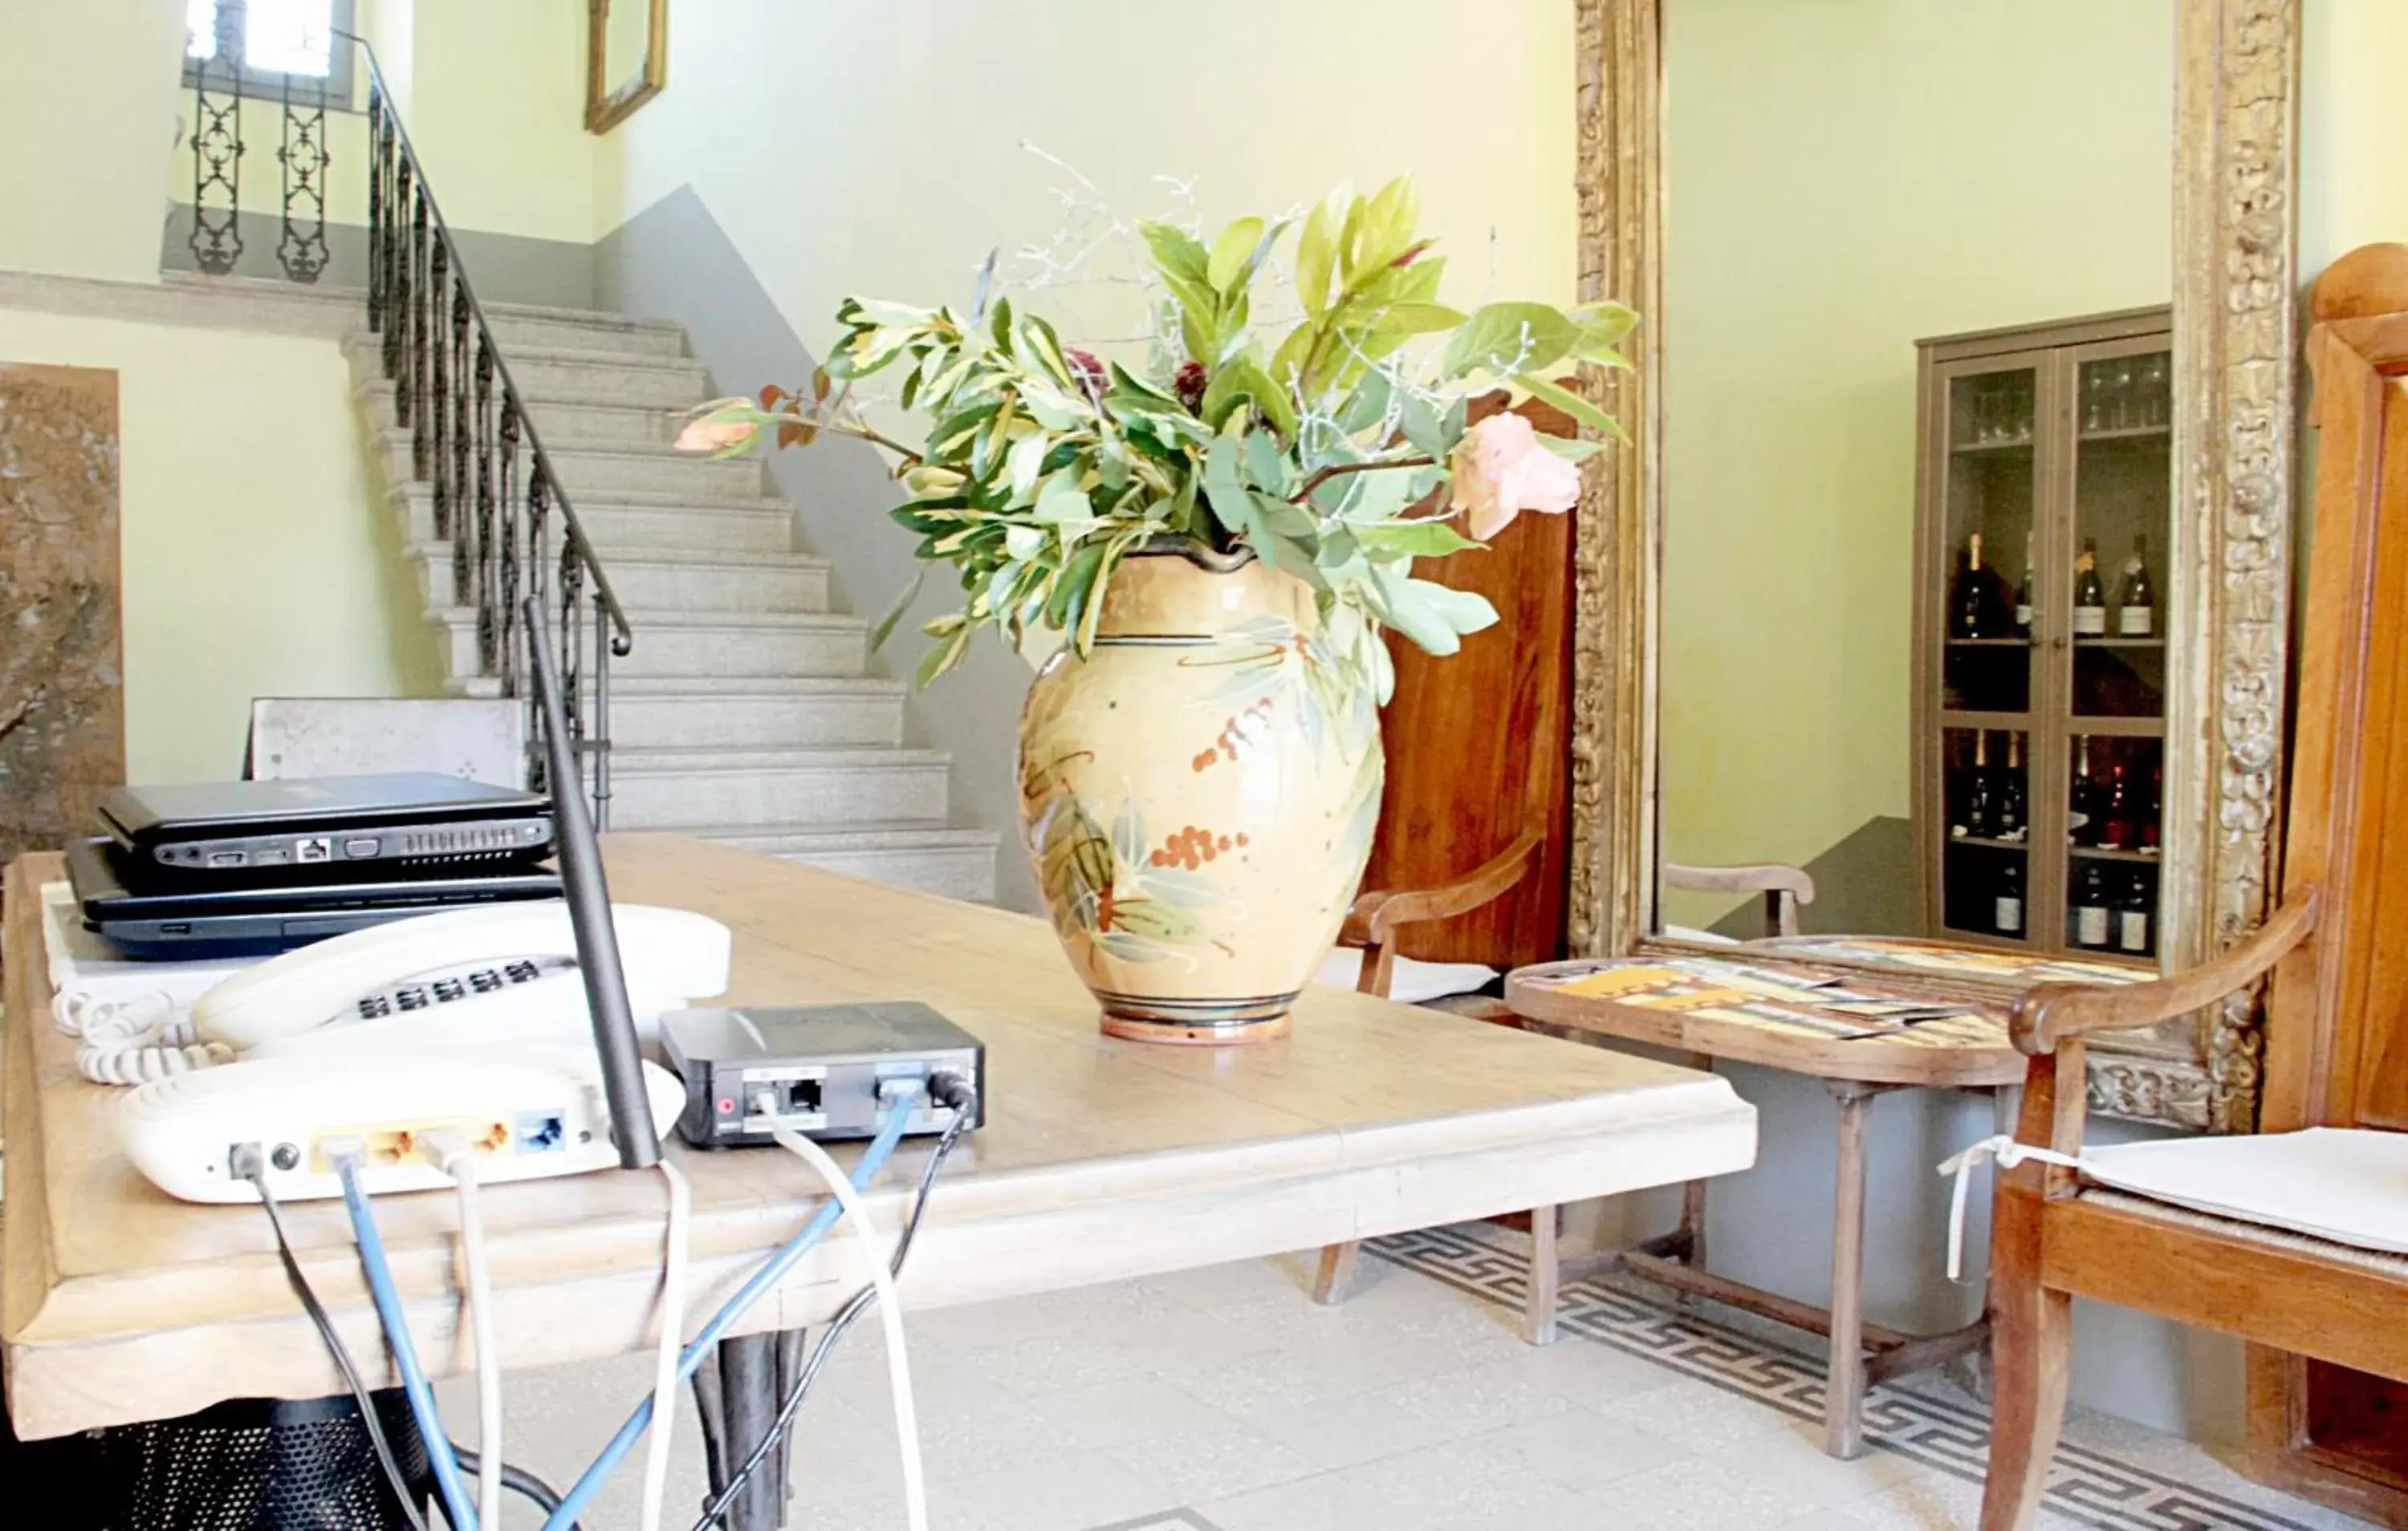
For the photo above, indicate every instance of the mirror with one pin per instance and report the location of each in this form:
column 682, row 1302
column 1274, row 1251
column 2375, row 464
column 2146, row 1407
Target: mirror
column 1844, row 183
column 626, row 58
column 1909, row 278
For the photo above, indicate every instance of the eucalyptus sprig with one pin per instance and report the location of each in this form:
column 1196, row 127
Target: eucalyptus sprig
column 1324, row 454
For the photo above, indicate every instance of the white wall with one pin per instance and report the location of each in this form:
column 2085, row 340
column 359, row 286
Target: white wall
column 847, row 146
column 255, row 560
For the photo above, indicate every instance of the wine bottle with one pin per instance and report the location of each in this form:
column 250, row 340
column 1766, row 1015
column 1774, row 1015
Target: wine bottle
column 1971, row 602
column 2090, row 915
column 2132, row 918
column 2024, row 594
column 2136, row 600
column 2155, row 808
column 2007, row 910
column 2083, row 807
column 2119, row 828
column 2008, row 804
column 2089, row 595
column 1980, row 800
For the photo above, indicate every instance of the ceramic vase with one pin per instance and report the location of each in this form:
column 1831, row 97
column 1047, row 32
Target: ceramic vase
column 1197, row 796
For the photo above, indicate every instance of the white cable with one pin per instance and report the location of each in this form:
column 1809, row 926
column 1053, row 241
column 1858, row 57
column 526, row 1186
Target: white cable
column 890, row 1309
column 456, row 1162
column 664, row 1375
column 2009, row 1153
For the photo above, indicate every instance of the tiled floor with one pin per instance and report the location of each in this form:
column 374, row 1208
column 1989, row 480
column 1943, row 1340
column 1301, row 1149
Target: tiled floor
column 1224, row 1400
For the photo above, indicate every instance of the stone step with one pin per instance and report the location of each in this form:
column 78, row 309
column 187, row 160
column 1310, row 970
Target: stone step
column 776, row 789
column 558, row 422
column 671, row 580
column 741, row 713
column 619, row 523
column 596, row 472
column 594, row 377
column 518, row 326
column 934, row 858
column 717, row 644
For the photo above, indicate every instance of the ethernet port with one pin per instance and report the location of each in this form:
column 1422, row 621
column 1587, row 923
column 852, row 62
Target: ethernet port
column 541, row 1131
column 799, row 1098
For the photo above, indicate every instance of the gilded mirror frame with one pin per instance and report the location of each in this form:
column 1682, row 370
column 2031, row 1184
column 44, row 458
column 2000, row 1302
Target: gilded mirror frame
column 607, row 107
column 2236, row 360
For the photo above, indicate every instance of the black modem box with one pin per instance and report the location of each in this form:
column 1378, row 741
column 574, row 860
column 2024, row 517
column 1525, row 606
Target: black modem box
column 816, row 1069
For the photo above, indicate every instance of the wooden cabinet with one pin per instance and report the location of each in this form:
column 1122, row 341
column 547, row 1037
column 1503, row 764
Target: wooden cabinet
column 2042, row 512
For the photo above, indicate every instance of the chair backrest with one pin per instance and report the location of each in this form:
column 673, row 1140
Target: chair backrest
column 1479, row 746
column 2337, row 1043
column 473, row 738
column 1784, row 888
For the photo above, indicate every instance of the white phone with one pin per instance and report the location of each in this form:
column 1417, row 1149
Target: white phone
column 459, row 979
column 469, row 1027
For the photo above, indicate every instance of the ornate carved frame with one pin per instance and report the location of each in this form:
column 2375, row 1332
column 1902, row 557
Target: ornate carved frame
column 607, row 107
column 2235, row 362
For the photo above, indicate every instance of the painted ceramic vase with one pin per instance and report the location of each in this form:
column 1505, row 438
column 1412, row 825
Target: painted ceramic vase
column 1197, row 796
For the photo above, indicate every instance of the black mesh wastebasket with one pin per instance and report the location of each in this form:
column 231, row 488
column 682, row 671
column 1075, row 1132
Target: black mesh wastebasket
column 260, row 1465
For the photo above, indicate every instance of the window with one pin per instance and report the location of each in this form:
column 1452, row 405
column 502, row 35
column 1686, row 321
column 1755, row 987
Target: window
column 280, row 41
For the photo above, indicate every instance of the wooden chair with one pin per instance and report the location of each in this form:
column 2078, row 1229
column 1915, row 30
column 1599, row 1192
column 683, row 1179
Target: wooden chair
column 1784, row 888
column 1479, row 758
column 2328, row 1320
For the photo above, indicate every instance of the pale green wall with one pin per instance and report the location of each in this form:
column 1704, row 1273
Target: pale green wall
column 1844, row 179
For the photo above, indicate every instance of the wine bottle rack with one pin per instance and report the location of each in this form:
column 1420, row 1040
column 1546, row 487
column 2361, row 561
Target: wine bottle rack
column 2045, row 442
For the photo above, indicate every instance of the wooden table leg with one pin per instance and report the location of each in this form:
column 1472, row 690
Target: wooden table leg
column 1843, row 1402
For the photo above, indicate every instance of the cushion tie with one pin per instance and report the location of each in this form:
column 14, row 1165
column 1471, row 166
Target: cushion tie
column 2007, row 1153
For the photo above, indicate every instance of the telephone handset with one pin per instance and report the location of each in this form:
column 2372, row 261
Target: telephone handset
column 512, row 966
column 460, row 979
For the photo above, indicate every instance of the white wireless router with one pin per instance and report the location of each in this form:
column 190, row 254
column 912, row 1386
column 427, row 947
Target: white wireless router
column 525, row 1111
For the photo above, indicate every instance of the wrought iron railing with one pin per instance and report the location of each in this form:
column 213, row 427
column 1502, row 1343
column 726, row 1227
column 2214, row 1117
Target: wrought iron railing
column 497, row 500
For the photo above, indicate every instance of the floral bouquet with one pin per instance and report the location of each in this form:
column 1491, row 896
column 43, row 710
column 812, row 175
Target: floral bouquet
column 1335, row 448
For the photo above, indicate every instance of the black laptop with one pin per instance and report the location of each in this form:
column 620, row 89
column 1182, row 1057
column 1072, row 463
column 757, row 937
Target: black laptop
column 386, row 826
column 186, row 922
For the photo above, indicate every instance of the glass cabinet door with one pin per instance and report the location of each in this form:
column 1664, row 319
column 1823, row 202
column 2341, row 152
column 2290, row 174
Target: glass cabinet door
column 1992, row 526
column 2112, row 681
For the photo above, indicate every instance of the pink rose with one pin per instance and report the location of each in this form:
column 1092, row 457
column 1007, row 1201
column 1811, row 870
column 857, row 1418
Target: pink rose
column 1500, row 471
column 707, row 434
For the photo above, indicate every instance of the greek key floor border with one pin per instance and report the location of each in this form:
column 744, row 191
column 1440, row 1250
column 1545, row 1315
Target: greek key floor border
column 2084, row 1485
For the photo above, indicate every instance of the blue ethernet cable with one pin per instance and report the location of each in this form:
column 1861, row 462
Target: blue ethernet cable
column 457, row 1507
column 873, row 1159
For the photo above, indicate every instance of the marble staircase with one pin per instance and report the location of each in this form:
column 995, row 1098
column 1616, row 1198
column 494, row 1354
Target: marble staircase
column 746, row 712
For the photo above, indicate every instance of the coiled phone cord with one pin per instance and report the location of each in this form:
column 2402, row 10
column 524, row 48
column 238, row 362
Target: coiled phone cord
column 135, row 1041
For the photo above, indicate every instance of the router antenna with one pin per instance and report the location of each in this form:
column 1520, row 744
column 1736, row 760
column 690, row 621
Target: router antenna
column 589, row 917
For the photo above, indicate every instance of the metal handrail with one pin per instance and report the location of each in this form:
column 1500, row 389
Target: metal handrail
column 381, row 98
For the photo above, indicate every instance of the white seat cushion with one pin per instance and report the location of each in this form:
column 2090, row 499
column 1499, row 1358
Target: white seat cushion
column 1409, row 982
column 2344, row 1185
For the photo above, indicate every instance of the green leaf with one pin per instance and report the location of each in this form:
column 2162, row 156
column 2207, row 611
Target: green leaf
column 1231, row 254
column 1002, row 328
column 1224, row 489
column 1024, row 542
column 1414, row 539
column 1465, row 611
column 1388, row 222
column 1023, row 464
column 1573, row 405
column 1175, row 251
column 1316, row 250
column 1241, row 378
column 1510, row 340
column 1601, row 325
column 1417, row 317
column 1266, row 464
column 885, row 628
column 943, row 656
column 1421, row 425
column 1061, row 499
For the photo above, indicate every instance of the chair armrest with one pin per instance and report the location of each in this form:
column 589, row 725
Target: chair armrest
column 2055, row 1012
column 1765, row 878
column 1376, row 915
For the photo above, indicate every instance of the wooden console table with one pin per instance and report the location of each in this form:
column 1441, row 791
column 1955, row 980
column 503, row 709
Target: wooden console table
column 1862, row 1037
column 1100, row 1159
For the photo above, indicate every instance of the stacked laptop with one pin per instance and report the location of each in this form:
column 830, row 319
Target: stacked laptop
column 251, row 868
